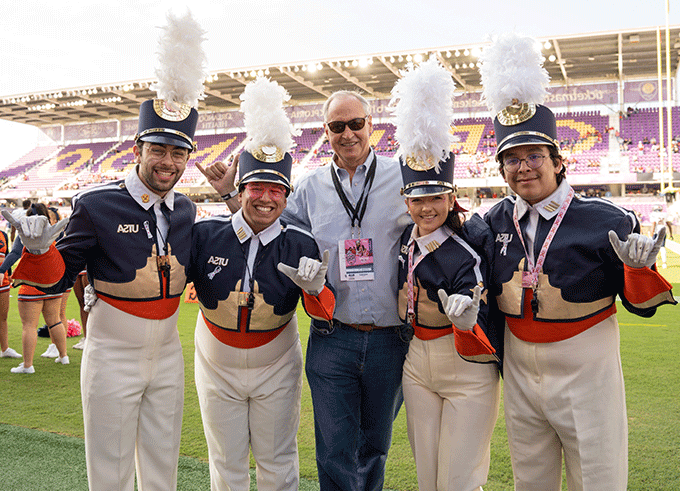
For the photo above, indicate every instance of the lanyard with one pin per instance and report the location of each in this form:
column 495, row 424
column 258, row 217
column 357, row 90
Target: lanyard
column 530, row 277
column 162, row 259
column 356, row 214
column 411, row 316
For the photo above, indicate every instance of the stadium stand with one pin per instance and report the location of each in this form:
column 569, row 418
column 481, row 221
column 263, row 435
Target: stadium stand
column 589, row 141
column 27, row 162
column 639, row 129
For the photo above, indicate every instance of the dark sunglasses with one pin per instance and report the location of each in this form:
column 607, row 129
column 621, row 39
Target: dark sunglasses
column 355, row 124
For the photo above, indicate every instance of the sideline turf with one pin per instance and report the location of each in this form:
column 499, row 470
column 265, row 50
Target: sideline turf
column 49, row 400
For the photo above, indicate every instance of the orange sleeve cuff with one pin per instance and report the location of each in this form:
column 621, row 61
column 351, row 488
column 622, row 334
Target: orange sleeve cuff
column 320, row 307
column 645, row 288
column 474, row 345
column 39, row 269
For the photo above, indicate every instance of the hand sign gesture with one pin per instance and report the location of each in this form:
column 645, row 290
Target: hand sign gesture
column 460, row 309
column 35, row 232
column 310, row 274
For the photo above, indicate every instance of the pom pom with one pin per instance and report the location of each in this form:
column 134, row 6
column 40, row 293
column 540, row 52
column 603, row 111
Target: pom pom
column 265, row 118
column 422, row 104
column 512, row 69
column 73, row 328
column 181, row 65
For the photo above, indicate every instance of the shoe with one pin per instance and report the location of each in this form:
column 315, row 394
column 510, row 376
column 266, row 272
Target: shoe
column 9, row 353
column 22, row 369
column 63, row 361
column 80, row 344
column 52, row 351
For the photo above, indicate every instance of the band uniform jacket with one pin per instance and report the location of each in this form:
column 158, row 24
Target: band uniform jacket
column 112, row 236
column 581, row 275
column 456, row 265
column 218, row 266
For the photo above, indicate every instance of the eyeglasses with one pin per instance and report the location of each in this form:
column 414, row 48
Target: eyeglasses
column 276, row 192
column 177, row 155
column 355, row 124
column 534, row 161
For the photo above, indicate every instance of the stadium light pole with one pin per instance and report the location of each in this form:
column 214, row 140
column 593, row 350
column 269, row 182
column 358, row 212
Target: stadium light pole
column 659, row 69
column 669, row 117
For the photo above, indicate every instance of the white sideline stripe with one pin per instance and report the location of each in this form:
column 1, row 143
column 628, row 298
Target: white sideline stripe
column 673, row 246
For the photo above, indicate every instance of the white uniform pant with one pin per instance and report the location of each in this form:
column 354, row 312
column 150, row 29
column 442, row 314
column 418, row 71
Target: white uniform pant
column 451, row 410
column 132, row 387
column 250, row 398
column 567, row 397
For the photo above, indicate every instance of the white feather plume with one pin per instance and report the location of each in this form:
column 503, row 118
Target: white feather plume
column 181, row 64
column 422, row 104
column 265, row 118
column 512, row 68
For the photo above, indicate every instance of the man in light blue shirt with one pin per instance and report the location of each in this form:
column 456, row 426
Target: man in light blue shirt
column 353, row 207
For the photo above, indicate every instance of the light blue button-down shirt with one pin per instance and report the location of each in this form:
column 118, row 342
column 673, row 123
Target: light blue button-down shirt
column 316, row 206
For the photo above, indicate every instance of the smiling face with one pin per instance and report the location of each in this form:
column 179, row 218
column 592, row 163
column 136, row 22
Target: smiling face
column 160, row 165
column 262, row 203
column 429, row 212
column 533, row 185
column 351, row 147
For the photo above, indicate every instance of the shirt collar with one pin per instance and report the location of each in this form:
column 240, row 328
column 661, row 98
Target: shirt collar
column 549, row 206
column 244, row 232
column 430, row 242
column 142, row 195
column 369, row 158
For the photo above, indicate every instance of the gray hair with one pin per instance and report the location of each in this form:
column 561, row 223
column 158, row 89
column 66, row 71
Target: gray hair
column 345, row 93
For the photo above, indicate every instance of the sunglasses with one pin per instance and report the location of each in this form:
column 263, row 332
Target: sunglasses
column 355, row 124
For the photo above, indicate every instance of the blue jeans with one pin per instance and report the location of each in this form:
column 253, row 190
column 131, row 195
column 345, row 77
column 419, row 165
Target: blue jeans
column 355, row 380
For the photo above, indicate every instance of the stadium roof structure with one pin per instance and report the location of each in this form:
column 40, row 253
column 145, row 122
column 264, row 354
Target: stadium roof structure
column 625, row 55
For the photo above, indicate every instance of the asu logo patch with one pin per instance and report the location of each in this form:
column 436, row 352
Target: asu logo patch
column 219, row 261
column 128, row 228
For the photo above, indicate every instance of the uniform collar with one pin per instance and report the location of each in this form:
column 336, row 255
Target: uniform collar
column 244, row 232
column 548, row 207
column 141, row 194
column 430, row 242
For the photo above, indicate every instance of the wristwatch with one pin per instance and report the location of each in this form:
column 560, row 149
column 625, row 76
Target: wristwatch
column 228, row 196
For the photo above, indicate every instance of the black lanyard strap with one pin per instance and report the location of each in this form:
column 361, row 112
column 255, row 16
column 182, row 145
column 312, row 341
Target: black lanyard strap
column 356, row 214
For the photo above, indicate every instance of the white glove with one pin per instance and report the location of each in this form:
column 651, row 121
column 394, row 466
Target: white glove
column 460, row 309
column 310, row 274
column 89, row 298
column 35, row 232
column 638, row 251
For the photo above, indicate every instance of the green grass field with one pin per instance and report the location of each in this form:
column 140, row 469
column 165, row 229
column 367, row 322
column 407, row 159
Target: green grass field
column 52, row 458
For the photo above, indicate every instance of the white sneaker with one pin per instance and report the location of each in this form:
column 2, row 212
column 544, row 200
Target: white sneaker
column 80, row 344
column 22, row 369
column 63, row 361
column 52, row 351
column 9, row 353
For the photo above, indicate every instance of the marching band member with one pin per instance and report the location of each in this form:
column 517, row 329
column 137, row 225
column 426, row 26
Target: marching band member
column 560, row 261
column 451, row 380
column 249, row 271
column 134, row 238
